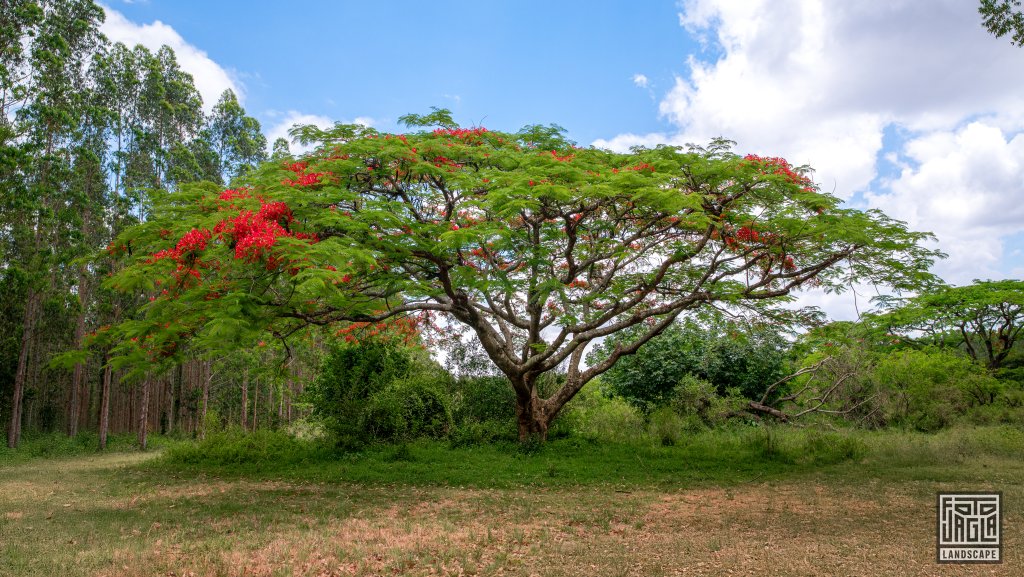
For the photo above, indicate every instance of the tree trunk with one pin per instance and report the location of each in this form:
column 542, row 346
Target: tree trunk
column 255, row 405
column 143, row 413
column 28, row 328
column 78, row 376
column 532, row 416
column 105, row 402
column 760, row 408
column 245, row 401
column 206, row 375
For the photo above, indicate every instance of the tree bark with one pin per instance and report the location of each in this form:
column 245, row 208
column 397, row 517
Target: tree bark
column 78, row 375
column 206, row 375
column 105, row 402
column 143, row 413
column 255, row 405
column 28, row 328
column 533, row 415
column 245, row 401
column 761, row 408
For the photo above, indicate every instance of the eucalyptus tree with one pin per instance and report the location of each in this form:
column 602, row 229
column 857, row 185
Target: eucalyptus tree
column 236, row 137
column 49, row 78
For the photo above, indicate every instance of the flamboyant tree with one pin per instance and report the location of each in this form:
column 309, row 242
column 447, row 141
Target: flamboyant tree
column 536, row 247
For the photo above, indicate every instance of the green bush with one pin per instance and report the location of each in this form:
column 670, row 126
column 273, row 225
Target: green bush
column 665, row 426
column 930, row 389
column 406, row 409
column 475, row 433
column 236, row 447
column 598, row 417
column 58, row 445
column 700, row 404
column 822, row 448
column 483, row 399
column 349, row 376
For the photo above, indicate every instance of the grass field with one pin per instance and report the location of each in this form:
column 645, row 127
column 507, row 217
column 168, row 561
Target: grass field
column 723, row 503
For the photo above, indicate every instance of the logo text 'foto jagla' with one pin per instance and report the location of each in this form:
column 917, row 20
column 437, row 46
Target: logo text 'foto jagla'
column 969, row 528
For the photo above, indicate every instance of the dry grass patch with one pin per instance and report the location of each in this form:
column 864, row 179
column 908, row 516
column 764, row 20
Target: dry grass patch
column 102, row 517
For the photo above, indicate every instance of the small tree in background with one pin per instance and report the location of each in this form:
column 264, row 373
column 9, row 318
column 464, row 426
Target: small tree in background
column 984, row 319
column 734, row 356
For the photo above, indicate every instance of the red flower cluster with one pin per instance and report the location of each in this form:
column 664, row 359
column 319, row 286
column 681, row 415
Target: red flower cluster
column 304, row 178
column 253, row 234
column 777, row 165
column 461, row 132
column 403, row 329
column 258, row 237
column 747, row 234
column 638, row 168
column 566, row 158
column 191, row 243
column 229, row 195
column 276, row 212
column 194, row 240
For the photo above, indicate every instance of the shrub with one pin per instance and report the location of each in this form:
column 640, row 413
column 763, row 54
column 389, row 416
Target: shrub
column 665, row 426
column 482, row 399
column 236, row 447
column 349, row 376
column 408, row 408
column 929, row 389
column 700, row 404
column 599, row 417
column 821, row 448
column 481, row 433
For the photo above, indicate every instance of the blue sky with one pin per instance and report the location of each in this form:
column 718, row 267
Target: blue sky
column 903, row 105
column 502, row 64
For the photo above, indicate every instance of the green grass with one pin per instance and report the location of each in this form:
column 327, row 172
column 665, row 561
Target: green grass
column 774, row 501
column 59, row 446
column 719, row 457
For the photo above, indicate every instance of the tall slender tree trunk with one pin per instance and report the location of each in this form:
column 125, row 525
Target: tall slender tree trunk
column 255, row 404
column 245, row 400
column 78, row 375
column 207, row 375
column 175, row 395
column 28, row 328
column 143, row 413
column 105, row 402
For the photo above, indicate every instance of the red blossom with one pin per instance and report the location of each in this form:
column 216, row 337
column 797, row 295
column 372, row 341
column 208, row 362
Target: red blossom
column 229, row 195
column 275, row 211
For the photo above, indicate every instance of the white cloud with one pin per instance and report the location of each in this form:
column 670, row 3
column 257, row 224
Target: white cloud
column 640, row 80
column 966, row 186
column 293, row 117
column 211, row 79
column 820, row 83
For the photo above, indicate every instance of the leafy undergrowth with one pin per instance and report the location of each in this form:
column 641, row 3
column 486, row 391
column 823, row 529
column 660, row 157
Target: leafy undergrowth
column 744, row 502
column 719, row 457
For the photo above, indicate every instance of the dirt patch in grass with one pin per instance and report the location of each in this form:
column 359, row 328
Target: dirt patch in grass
column 125, row 522
column 753, row 530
